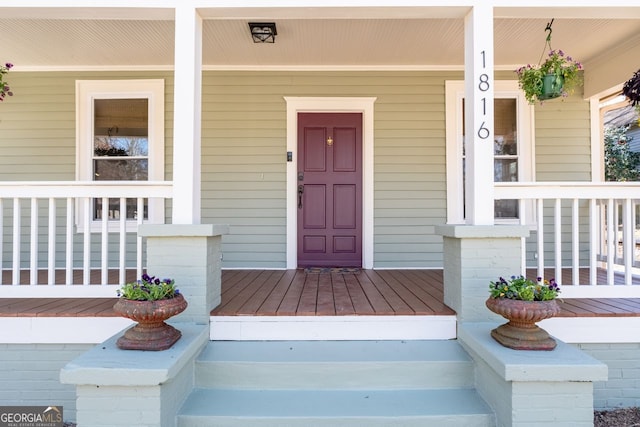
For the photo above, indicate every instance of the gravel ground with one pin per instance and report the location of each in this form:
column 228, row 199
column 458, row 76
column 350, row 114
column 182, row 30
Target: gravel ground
column 628, row 417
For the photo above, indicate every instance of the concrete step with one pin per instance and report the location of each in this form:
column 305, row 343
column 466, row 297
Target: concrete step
column 334, row 383
column 335, row 408
column 346, row 365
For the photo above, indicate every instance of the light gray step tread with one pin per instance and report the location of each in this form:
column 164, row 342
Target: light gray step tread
column 331, row 404
column 334, row 351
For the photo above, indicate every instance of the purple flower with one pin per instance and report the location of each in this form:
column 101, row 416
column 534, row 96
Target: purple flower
column 9, row 65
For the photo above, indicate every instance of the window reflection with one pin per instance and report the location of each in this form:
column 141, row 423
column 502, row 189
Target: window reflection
column 120, row 149
column 506, row 152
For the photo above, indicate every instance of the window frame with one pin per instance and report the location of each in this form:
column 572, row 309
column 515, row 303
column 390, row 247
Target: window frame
column 89, row 90
column 454, row 94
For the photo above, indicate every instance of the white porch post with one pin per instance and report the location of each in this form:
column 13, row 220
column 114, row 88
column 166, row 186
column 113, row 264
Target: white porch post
column 187, row 116
column 478, row 77
column 477, row 252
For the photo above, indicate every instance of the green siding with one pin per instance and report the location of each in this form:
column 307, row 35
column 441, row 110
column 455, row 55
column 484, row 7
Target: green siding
column 244, row 164
column 244, row 146
column 38, row 143
column 563, row 151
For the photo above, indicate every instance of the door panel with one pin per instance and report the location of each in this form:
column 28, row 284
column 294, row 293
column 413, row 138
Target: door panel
column 330, row 189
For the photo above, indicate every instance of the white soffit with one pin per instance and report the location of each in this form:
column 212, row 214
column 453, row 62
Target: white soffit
column 420, row 42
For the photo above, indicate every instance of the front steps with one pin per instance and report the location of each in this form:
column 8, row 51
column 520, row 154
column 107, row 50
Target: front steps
column 334, row 383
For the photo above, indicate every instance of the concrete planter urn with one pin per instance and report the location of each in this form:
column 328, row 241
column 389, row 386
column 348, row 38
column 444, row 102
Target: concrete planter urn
column 149, row 301
column 151, row 333
column 521, row 332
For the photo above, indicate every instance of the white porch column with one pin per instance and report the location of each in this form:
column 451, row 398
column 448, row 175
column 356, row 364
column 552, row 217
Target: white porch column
column 187, row 116
column 478, row 77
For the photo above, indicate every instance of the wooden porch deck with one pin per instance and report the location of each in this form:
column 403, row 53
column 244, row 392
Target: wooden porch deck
column 320, row 293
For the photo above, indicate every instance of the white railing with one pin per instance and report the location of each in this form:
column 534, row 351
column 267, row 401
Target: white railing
column 61, row 215
column 591, row 226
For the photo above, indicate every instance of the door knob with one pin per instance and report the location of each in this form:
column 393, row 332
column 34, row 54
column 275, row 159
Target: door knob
column 300, row 192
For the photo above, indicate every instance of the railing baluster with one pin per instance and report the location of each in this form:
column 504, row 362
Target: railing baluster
column 557, row 228
column 523, row 240
column 616, row 229
column 104, row 256
column 636, row 243
column 123, row 240
column 540, row 230
column 627, row 241
column 33, row 244
column 575, row 243
column 594, row 241
column 17, row 226
column 1, row 239
column 19, row 258
column 69, row 243
column 51, row 257
column 611, row 242
column 140, row 219
column 86, row 264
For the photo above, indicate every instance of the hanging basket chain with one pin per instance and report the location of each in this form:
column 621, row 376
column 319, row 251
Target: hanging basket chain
column 548, row 40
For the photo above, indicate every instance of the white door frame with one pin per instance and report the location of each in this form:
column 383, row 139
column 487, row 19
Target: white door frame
column 362, row 105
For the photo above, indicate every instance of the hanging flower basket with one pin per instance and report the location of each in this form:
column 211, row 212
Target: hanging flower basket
column 557, row 76
column 552, row 87
column 631, row 89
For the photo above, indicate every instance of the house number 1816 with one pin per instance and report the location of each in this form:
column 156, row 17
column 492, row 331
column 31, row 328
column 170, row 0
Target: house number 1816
column 483, row 86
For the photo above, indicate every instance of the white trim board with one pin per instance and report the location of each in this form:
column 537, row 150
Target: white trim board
column 584, row 330
column 362, row 105
column 60, row 330
column 93, row 330
column 332, row 328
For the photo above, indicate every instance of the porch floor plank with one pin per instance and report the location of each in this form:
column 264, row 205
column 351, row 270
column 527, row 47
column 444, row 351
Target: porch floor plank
column 58, row 307
column 308, row 304
column 239, row 294
column 77, row 277
column 252, row 305
column 269, row 306
column 370, row 278
column 409, row 296
column 291, row 300
column 326, row 301
column 357, row 297
column 334, row 293
column 344, row 305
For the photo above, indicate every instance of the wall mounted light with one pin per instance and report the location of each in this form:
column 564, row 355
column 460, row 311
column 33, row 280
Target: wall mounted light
column 263, row 32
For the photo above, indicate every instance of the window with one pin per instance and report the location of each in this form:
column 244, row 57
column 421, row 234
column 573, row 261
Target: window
column 513, row 148
column 121, row 138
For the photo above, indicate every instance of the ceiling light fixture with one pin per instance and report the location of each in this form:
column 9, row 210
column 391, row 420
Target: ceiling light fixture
column 263, row 32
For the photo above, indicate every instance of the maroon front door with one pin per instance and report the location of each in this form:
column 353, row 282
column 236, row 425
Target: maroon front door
column 329, row 189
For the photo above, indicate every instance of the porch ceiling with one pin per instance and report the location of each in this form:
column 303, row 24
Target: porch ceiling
column 357, row 39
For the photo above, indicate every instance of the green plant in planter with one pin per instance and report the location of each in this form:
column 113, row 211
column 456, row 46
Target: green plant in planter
column 561, row 72
column 521, row 288
column 149, row 288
